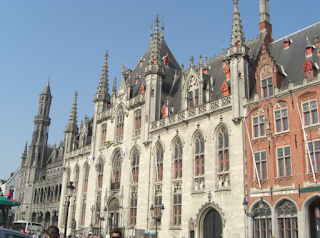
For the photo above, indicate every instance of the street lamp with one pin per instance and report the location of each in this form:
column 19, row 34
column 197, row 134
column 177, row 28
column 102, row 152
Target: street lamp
column 92, row 210
column 158, row 218
column 254, row 214
column 70, row 189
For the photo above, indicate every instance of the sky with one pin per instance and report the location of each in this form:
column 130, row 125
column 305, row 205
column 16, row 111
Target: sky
column 67, row 39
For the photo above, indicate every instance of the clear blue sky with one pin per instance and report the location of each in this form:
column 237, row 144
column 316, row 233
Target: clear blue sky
column 68, row 38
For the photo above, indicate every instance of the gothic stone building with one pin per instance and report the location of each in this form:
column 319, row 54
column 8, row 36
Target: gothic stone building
column 179, row 142
column 41, row 171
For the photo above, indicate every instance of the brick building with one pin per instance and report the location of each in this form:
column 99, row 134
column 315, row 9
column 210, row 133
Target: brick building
column 282, row 136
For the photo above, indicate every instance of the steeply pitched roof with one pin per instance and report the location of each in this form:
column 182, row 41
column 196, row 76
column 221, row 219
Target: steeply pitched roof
column 46, row 89
column 169, row 71
column 292, row 58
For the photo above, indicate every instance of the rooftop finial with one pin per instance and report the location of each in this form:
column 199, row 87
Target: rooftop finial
column 237, row 36
column 49, row 77
column 72, row 124
column 103, row 88
column 114, row 89
column 151, row 34
column 162, row 28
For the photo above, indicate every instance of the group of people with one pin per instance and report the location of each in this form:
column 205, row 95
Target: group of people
column 53, row 232
column 115, row 233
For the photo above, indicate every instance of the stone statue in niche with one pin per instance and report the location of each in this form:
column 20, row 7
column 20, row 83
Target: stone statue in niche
column 226, row 182
column 220, row 181
column 202, row 184
column 197, row 185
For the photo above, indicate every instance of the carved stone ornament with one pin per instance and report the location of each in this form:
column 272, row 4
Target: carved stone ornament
column 177, row 186
column 199, row 185
column 158, row 189
column 223, row 181
column 134, row 191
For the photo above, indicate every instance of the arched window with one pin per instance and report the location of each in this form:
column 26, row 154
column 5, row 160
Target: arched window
column 100, row 174
column 76, row 180
column 135, row 167
column 86, row 178
column 178, row 159
column 120, row 125
column 159, row 174
column 281, row 117
column 266, row 74
column 116, row 171
column 199, row 155
column 137, row 123
column 287, row 219
column 223, row 150
column 262, row 221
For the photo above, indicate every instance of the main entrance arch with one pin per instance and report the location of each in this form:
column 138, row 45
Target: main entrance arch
column 210, row 223
column 212, row 226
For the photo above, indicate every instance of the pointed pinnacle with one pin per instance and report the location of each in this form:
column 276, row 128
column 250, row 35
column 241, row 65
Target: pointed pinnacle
column 114, row 89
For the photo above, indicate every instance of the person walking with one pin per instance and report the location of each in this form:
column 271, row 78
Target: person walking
column 52, row 232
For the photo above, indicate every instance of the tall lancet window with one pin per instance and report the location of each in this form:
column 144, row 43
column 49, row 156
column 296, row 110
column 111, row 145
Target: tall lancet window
column 159, row 172
column 223, row 148
column 178, row 159
column 135, row 167
column 199, row 155
column 120, row 125
column 116, row 171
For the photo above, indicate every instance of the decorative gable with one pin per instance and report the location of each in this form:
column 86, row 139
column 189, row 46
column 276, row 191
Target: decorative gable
column 142, row 88
column 226, row 70
column 163, row 111
column 225, row 89
column 166, row 60
column 308, row 69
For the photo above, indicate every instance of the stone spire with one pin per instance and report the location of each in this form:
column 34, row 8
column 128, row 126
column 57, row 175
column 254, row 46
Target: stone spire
column 114, row 88
column 155, row 45
column 46, row 89
column 103, row 88
column 72, row 123
column 237, row 37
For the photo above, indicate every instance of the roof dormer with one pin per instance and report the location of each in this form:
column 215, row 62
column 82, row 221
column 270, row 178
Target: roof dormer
column 309, row 48
column 287, row 42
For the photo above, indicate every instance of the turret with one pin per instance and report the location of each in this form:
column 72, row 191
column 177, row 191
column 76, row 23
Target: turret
column 238, row 55
column 71, row 129
column 154, row 73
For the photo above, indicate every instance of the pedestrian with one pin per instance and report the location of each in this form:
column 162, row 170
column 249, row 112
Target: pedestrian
column 116, row 234
column 52, row 232
column 43, row 233
column 35, row 235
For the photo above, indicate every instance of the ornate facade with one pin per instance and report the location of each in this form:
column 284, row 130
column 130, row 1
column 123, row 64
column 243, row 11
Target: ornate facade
column 179, row 142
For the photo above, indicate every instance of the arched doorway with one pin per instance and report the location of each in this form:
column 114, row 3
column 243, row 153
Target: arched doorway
column 212, row 225
column 113, row 209
column 312, row 218
column 47, row 220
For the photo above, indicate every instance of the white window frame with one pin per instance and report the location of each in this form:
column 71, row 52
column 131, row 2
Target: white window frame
column 260, row 117
column 284, row 157
column 310, row 111
column 281, row 118
column 260, row 162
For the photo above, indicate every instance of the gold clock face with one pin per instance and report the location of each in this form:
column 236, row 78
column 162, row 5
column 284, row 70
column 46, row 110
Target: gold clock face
column 266, row 72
